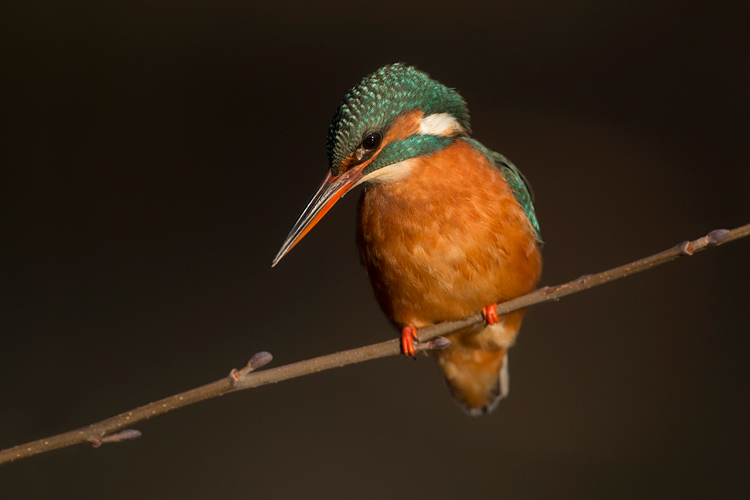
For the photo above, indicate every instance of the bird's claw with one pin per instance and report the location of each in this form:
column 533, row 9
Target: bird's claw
column 408, row 337
column 490, row 314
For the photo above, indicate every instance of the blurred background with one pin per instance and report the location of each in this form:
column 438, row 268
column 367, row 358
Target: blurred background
column 153, row 157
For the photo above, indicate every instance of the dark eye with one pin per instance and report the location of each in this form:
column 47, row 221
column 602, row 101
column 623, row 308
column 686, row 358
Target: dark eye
column 372, row 141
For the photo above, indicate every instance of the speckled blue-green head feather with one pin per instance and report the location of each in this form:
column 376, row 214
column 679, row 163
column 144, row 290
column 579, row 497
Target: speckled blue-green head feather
column 391, row 91
column 379, row 99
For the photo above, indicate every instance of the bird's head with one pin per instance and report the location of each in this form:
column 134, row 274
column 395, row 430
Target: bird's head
column 394, row 115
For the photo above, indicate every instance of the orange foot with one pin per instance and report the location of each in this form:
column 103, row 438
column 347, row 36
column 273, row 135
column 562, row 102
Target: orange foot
column 408, row 336
column 490, row 314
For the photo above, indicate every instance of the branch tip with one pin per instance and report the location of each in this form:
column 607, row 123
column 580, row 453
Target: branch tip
column 437, row 344
column 717, row 236
column 259, row 359
column 117, row 437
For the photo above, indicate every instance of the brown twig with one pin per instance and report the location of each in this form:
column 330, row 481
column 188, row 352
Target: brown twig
column 112, row 429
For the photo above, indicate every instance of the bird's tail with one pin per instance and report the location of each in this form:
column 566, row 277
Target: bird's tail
column 477, row 379
column 475, row 365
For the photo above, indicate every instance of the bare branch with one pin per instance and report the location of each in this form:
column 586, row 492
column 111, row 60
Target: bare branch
column 112, row 430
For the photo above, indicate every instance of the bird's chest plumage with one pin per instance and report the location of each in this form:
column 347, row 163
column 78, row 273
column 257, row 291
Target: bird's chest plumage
column 447, row 240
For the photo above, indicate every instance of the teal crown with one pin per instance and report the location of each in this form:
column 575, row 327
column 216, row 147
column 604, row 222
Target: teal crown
column 381, row 97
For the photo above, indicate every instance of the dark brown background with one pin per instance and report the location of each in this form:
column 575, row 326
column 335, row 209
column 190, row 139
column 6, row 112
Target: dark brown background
column 154, row 157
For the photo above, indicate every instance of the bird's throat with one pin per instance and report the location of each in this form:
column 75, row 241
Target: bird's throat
column 392, row 173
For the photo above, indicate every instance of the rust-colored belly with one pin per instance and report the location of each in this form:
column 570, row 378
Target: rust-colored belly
column 447, row 240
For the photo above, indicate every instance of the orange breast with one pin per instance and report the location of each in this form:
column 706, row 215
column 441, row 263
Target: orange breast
column 447, row 240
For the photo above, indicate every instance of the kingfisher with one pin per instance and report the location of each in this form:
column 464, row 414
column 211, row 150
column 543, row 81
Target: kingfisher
column 445, row 226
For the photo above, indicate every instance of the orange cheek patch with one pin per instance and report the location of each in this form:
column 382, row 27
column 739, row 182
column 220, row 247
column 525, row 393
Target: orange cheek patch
column 405, row 125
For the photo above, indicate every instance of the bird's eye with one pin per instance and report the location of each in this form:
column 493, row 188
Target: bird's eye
column 372, row 141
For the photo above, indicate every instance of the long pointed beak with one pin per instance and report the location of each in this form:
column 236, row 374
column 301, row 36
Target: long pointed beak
column 330, row 191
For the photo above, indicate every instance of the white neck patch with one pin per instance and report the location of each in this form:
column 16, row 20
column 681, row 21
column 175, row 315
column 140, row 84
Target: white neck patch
column 440, row 124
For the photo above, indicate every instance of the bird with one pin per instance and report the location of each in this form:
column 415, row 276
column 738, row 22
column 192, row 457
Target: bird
column 445, row 226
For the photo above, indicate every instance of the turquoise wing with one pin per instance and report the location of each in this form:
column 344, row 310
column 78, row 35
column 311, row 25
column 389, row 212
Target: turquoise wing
column 520, row 187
